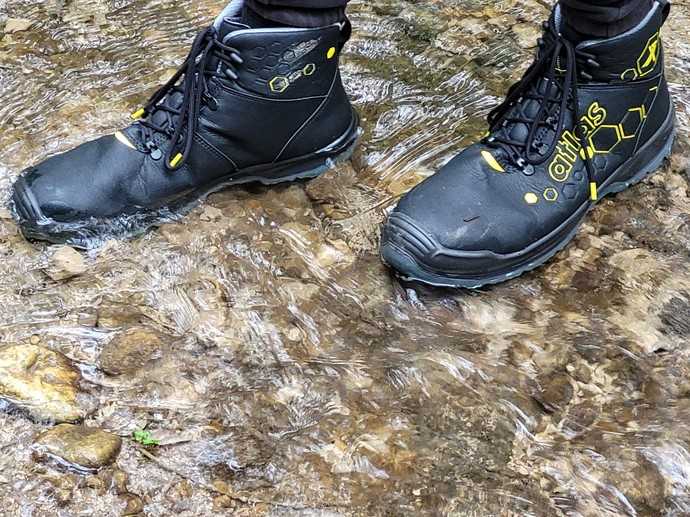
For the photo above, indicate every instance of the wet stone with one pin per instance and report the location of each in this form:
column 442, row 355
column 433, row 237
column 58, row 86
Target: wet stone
column 119, row 481
column 133, row 505
column 332, row 191
column 527, row 34
column 640, row 481
column 63, row 486
column 41, row 381
column 130, row 350
column 79, row 445
column 211, row 213
column 13, row 25
column 65, row 263
column 676, row 317
column 556, row 394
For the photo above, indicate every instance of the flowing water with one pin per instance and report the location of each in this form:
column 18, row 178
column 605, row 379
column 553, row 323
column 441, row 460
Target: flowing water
column 294, row 375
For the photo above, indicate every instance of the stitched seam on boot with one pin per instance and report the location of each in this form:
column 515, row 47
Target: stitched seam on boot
column 313, row 115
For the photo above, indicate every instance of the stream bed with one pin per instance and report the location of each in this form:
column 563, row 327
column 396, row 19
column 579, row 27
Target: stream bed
column 263, row 357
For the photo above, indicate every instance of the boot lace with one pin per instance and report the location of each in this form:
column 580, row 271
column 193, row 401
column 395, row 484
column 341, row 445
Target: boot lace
column 181, row 118
column 552, row 80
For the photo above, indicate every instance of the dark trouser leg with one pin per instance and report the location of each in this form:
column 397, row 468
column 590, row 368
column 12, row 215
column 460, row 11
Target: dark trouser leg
column 299, row 13
column 603, row 18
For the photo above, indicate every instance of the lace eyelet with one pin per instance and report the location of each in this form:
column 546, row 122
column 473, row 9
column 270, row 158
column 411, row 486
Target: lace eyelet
column 539, row 147
column 154, row 152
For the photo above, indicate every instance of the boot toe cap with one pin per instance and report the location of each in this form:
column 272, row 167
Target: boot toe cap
column 26, row 206
column 35, row 204
column 94, row 180
column 417, row 254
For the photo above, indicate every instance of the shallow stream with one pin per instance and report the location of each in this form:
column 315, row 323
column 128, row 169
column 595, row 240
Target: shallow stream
column 292, row 375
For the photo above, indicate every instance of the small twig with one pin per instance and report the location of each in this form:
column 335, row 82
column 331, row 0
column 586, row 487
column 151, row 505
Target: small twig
column 377, row 206
column 234, row 497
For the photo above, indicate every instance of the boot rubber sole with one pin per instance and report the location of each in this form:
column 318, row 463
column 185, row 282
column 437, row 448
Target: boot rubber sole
column 404, row 244
column 91, row 233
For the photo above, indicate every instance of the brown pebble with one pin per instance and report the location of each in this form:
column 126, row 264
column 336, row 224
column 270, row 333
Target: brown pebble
column 95, row 483
column 120, row 482
column 221, row 486
column 221, row 502
column 134, row 505
column 183, row 489
column 79, row 445
column 557, row 393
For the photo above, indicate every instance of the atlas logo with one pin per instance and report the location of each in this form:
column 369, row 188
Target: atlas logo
column 569, row 147
column 600, row 135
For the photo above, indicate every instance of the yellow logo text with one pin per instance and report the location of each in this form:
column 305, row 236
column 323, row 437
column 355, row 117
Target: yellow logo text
column 569, row 147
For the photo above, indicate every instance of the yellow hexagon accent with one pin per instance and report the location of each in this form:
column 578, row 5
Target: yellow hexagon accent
column 598, row 146
column 636, row 116
column 309, row 69
column 551, row 194
column 279, row 84
column 649, row 58
column 531, row 198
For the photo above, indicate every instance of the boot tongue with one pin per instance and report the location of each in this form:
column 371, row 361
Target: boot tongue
column 529, row 108
column 227, row 26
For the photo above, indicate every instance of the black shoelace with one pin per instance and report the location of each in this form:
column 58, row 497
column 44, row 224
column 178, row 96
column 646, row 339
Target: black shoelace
column 181, row 121
column 556, row 91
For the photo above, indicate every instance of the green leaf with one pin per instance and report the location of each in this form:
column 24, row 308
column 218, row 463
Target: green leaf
column 145, row 438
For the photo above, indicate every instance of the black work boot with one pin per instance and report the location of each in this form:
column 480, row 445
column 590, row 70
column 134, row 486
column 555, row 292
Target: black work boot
column 247, row 105
column 586, row 120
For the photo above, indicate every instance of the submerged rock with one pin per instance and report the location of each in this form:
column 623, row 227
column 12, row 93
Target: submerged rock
column 65, row 263
column 133, row 505
column 130, row 351
column 527, row 34
column 79, row 445
column 41, row 381
column 13, row 25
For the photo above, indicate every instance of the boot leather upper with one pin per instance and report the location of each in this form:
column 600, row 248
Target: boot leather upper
column 287, row 101
column 480, row 201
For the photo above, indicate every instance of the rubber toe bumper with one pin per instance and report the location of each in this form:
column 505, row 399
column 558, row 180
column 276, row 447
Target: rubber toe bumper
column 25, row 203
column 418, row 256
column 414, row 253
column 405, row 243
